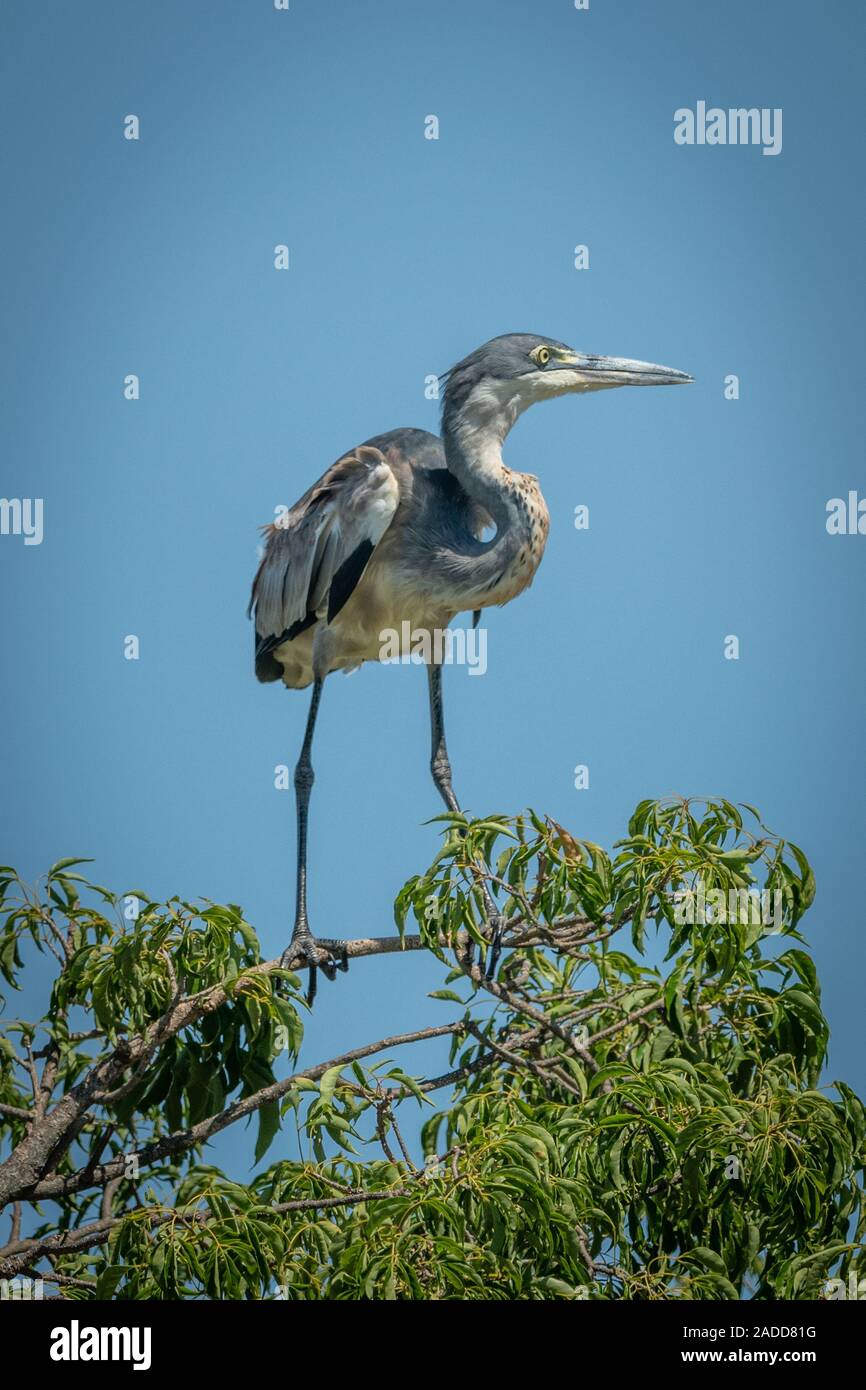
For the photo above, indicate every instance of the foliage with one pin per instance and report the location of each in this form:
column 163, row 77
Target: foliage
column 632, row 1105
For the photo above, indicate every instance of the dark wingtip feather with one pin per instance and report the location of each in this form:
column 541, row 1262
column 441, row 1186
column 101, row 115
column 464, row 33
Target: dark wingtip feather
column 346, row 577
column 268, row 668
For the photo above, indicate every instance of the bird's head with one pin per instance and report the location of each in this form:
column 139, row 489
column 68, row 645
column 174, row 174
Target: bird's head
column 510, row 373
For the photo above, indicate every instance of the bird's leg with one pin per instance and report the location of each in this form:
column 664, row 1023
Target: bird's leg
column 319, row 953
column 440, row 767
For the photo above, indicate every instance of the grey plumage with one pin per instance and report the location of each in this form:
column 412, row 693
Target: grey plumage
column 391, row 539
column 334, row 531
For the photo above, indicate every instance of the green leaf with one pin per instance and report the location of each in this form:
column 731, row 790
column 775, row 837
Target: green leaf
column 65, row 864
column 269, row 1124
column 328, row 1082
column 109, row 1278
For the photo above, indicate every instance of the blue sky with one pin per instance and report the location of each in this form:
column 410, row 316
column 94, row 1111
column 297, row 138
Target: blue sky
column 707, row 516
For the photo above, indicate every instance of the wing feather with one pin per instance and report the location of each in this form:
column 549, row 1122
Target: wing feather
column 315, row 556
column 346, row 578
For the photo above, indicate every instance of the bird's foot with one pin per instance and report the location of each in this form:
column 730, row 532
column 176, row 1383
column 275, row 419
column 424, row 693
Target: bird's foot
column 318, row 953
column 490, row 959
column 489, row 949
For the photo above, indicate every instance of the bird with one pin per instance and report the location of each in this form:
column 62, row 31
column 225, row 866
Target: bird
column 395, row 537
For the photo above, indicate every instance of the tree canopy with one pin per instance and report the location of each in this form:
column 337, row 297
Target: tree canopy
column 630, row 1106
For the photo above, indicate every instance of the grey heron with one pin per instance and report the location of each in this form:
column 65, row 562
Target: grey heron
column 392, row 539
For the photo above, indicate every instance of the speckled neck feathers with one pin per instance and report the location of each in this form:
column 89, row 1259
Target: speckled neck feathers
column 475, row 422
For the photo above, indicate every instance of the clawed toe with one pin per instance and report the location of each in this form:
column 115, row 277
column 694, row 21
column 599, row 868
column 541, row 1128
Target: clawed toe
column 319, row 953
column 489, row 959
column 336, row 957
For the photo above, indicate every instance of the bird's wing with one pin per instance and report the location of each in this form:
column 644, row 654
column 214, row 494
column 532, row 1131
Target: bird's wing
column 316, row 554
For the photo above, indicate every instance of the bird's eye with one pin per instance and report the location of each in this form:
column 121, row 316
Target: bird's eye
column 542, row 356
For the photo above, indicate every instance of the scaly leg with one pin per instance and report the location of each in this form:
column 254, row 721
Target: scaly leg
column 319, row 953
column 440, row 767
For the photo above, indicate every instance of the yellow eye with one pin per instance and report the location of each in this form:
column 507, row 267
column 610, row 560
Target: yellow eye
column 542, row 356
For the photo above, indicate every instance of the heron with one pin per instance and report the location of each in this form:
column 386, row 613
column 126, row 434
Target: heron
column 395, row 537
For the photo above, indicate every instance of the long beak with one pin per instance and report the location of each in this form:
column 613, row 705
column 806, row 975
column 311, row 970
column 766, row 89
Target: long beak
column 598, row 372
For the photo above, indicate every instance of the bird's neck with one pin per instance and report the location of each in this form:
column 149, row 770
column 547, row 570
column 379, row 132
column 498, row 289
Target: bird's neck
column 473, row 452
column 505, row 565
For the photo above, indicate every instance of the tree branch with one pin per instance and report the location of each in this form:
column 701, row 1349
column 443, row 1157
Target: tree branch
column 17, row 1259
column 183, row 1140
column 15, row 1112
column 47, row 1140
